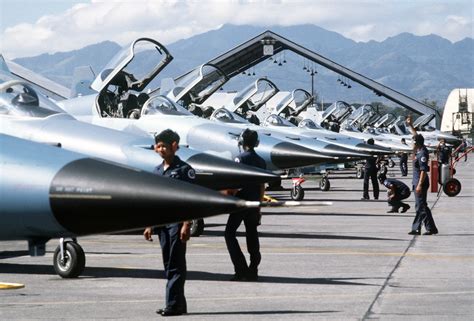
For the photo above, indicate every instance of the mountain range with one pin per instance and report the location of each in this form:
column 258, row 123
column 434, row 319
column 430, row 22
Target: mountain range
column 422, row 67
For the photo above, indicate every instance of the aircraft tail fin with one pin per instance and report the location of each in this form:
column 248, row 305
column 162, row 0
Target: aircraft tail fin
column 81, row 81
column 3, row 64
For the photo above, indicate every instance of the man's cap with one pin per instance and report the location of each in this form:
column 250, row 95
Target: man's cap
column 167, row 136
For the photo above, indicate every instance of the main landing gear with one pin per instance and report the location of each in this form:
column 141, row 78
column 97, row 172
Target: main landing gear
column 297, row 190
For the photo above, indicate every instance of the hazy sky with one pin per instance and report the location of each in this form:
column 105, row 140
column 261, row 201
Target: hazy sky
column 32, row 27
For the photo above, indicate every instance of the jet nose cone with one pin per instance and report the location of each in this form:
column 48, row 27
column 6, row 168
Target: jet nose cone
column 335, row 150
column 374, row 149
column 288, row 155
column 218, row 173
column 89, row 196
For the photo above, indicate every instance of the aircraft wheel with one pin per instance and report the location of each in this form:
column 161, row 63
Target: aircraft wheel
column 452, row 187
column 73, row 263
column 360, row 173
column 297, row 193
column 197, row 227
column 324, row 184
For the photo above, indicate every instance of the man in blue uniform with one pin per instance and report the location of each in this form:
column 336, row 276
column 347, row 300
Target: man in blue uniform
column 421, row 183
column 172, row 237
column 370, row 172
column 397, row 191
column 404, row 160
column 251, row 217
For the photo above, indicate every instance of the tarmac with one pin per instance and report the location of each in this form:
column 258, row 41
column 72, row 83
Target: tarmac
column 348, row 261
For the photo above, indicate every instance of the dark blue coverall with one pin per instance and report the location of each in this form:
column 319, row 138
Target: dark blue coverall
column 251, row 218
column 172, row 249
column 404, row 164
column 423, row 212
column 370, row 171
column 402, row 191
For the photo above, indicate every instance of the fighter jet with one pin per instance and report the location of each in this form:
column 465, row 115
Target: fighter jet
column 331, row 151
column 351, row 121
column 245, row 101
column 280, row 129
column 117, row 105
column 291, row 106
column 47, row 192
column 27, row 114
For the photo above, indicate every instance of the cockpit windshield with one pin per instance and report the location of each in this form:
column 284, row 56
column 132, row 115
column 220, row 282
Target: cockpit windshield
column 308, row 123
column 18, row 98
column 161, row 105
column 226, row 116
column 275, row 120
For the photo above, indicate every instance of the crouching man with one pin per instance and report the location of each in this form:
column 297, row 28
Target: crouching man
column 397, row 191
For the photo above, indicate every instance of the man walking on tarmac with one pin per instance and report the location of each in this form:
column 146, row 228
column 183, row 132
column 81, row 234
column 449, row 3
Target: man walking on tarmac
column 404, row 160
column 173, row 237
column 251, row 217
column 421, row 183
column 370, row 172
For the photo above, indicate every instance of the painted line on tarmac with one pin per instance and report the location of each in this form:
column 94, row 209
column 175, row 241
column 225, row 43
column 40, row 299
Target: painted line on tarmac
column 234, row 298
column 298, row 251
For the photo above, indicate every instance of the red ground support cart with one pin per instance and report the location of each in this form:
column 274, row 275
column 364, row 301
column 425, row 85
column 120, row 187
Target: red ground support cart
column 452, row 186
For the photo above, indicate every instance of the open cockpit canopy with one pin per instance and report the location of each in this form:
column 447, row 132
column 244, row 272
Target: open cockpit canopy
column 197, row 85
column 337, row 112
column 134, row 67
column 253, row 96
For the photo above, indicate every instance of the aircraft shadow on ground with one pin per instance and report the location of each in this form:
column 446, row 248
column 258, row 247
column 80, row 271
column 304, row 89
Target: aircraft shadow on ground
column 111, row 272
column 332, row 214
column 304, row 236
column 11, row 254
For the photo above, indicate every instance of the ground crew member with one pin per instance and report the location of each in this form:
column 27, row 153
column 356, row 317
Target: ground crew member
column 251, row 217
column 443, row 152
column 404, row 160
column 397, row 191
column 370, row 171
column 421, row 183
column 172, row 237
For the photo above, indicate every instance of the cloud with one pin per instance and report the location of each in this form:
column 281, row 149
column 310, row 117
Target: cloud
column 171, row 20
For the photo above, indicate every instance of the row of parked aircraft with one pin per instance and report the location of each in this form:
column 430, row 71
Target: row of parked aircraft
column 99, row 181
